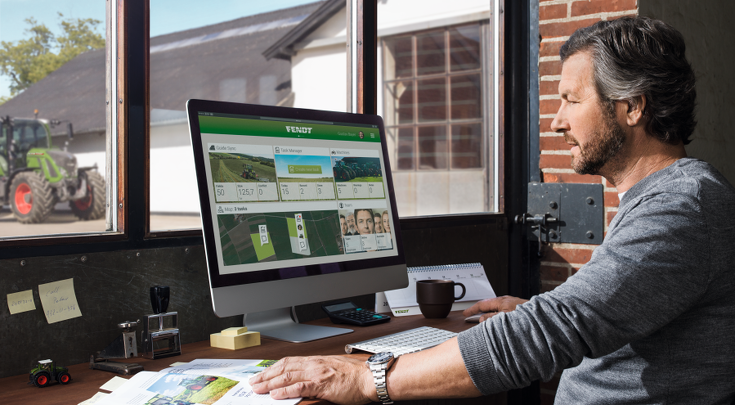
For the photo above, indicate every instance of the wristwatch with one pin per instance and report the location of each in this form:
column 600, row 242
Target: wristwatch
column 379, row 364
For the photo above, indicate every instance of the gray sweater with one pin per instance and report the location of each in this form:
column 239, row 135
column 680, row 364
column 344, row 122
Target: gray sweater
column 649, row 320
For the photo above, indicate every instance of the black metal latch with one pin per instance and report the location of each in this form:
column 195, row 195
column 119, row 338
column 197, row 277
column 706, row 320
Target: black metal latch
column 565, row 212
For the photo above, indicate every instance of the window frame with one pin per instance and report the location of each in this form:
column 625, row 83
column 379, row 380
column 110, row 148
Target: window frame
column 128, row 114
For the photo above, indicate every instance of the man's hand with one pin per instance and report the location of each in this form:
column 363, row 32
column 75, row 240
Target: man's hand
column 338, row 379
column 493, row 306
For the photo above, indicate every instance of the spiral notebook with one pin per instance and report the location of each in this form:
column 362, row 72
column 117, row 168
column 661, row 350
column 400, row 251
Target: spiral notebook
column 402, row 302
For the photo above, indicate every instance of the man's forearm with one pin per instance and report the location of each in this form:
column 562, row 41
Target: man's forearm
column 435, row 373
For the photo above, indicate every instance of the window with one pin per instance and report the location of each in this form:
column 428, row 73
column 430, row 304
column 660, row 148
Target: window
column 435, row 93
column 222, row 57
column 53, row 142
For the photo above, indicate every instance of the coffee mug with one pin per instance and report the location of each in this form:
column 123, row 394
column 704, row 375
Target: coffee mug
column 435, row 297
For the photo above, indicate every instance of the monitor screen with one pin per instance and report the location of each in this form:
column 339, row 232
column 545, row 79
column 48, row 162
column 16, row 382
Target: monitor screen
column 297, row 205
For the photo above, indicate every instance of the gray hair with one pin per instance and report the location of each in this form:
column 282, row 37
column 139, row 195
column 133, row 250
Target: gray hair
column 639, row 56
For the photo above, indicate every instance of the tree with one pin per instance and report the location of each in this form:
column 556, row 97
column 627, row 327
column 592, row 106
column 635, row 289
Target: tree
column 30, row 60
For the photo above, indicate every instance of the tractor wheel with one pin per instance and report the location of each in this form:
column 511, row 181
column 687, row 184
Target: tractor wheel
column 31, row 198
column 63, row 378
column 41, row 379
column 93, row 205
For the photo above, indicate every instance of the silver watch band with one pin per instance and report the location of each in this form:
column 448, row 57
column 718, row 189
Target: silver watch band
column 379, row 376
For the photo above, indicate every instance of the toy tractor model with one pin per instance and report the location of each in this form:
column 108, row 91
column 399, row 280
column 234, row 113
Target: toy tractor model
column 45, row 372
column 248, row 173
column 34, row 175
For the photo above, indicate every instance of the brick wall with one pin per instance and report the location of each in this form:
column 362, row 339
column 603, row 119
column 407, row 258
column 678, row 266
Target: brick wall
column 558, row 19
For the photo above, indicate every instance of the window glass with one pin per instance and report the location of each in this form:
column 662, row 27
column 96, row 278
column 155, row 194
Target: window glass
column 52, row 135
column 239, row 51
column 437, row 117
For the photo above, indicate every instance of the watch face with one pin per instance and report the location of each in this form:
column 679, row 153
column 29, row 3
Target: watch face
column 380, row 357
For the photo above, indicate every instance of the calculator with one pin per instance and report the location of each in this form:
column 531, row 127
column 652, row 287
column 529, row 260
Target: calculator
column 348, row 312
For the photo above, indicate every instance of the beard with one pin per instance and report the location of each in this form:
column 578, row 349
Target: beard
column 603, row 146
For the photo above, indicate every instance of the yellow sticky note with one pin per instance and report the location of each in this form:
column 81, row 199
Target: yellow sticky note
column 59, row 301
column 21, row 302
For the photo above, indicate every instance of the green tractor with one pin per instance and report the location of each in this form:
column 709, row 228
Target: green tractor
column 34, row 175
column 248, row 173
column 45, row 372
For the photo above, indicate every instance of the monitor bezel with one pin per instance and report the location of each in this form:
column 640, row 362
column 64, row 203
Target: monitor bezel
column 219, row 280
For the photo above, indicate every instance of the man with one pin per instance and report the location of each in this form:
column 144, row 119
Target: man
column 343, row 224
column 651, row 317
column 364, row 220
column 351, row 230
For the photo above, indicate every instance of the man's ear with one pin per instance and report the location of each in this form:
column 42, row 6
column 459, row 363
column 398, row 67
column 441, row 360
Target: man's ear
column 636, row 110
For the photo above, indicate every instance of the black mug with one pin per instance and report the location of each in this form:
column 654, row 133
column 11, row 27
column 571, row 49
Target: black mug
column 159, row 298
column 435, row 297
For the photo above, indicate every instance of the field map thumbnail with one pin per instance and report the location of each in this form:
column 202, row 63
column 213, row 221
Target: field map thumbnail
column 242, row 242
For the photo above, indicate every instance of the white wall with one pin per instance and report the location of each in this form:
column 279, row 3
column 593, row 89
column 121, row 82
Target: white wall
column 173, row 178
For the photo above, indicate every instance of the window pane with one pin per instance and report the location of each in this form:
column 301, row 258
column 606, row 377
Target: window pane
column 464, row 53
column 201, row 51
column 433, row 147
column 52, row 79
column 466, row 97
column 400, row 97
column 432, row 99
column 398, row 58
column 440, row 163
column 406, row 149
column 430, row 53
column 466, row 146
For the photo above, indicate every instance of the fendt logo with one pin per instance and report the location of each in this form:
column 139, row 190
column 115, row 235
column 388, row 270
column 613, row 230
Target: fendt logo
column 301, row 130
column 401, row 311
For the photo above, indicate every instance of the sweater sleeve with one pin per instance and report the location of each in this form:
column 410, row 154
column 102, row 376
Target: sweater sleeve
column 651, row 267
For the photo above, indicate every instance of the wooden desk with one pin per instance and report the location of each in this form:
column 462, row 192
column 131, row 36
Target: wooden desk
column 86, row 382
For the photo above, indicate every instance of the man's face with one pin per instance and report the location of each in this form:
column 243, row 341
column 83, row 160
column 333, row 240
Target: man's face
column 343, row 225
column 365, row 222
column 351, row 223
column 592, row 130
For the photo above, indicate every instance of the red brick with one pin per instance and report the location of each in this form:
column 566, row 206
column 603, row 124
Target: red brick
column 546, row 287
column 611, row 199
column 545, row 125
column 571, row 178
column 553, row 143
column 564, row 29
column 547, row 88
column 552, row 68
column 552, row 12
column 550, row 48
column 610, row 215
column 549, row 106
column 567, row 255
column 555, row 162
column 580, row 8
column 553, row 273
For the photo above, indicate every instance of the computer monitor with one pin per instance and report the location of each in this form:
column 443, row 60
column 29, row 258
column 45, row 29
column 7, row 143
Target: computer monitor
column 297, row 207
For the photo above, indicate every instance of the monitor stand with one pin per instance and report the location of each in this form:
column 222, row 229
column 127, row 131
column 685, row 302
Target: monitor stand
column 278, row 324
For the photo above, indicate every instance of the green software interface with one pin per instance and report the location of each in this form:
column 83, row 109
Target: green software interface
column 287, row 194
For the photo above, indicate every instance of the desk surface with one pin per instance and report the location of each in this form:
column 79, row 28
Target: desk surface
column 86, row 382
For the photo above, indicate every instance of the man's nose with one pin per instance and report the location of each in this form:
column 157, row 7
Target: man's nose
column 560, row 123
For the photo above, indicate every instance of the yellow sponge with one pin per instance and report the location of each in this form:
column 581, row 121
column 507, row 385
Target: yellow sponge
column 237, row 342
column 234, row 331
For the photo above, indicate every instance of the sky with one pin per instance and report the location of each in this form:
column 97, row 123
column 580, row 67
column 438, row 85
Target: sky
column 166, row 15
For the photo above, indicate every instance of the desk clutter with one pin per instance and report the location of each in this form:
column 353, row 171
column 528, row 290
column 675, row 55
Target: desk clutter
column 202, row 381
column 403, row 302
column 235, row 338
